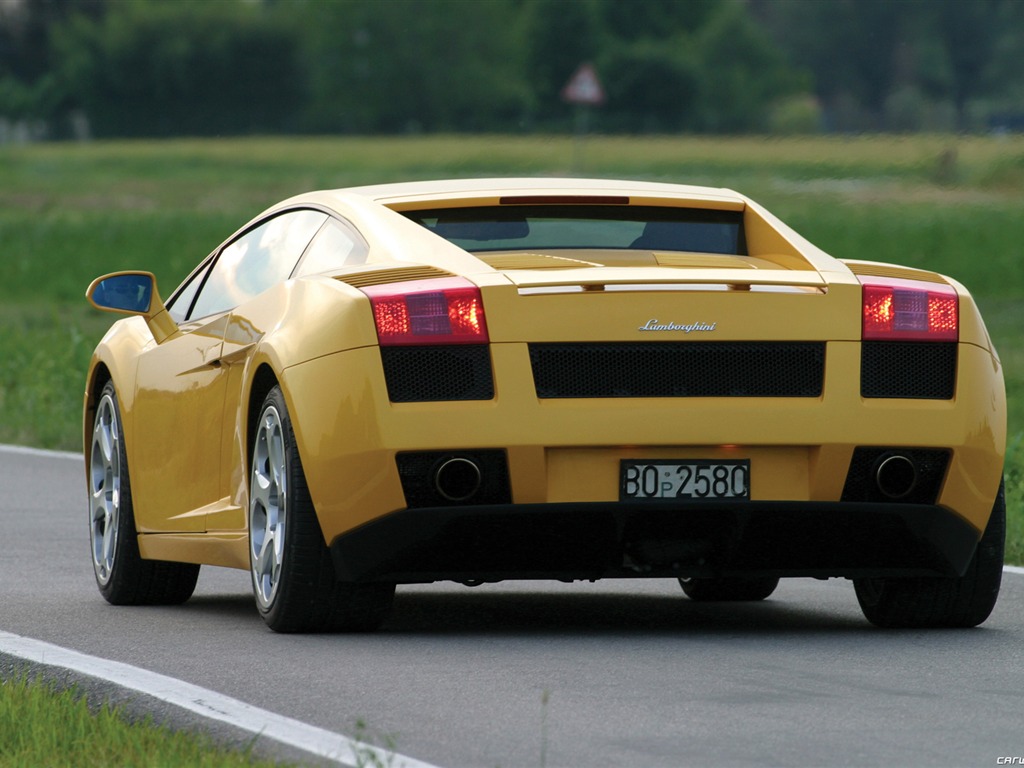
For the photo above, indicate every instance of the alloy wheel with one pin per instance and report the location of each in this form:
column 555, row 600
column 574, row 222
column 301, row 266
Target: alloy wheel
column 105, row 488
column 268, row 499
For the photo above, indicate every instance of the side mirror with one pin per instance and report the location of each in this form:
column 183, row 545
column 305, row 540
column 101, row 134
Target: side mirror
column 133, row 293
column 128, row 292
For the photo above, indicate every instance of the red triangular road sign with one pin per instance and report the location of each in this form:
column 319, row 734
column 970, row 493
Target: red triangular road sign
column 584, row 87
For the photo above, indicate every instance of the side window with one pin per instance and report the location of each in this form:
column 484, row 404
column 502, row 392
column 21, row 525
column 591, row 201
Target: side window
column 257, row 260
column 335, row 246
column 178, row 306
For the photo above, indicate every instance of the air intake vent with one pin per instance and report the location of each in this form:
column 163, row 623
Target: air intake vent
column 437, row 373
column 392, row 275
column 684, row 369
column 908, row 369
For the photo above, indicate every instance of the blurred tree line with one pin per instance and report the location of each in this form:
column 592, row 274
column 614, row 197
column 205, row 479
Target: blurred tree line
column 114, row 68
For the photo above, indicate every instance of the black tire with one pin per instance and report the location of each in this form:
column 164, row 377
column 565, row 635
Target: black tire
column 964, row 601
column 294, row 580
column 732, row 589
column 122, row 576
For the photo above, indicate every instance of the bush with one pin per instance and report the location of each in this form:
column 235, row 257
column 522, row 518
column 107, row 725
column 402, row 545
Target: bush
column 796, row 115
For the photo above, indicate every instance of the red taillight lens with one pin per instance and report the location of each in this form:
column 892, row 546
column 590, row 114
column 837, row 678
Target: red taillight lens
column 447, row 310
column 910, row 311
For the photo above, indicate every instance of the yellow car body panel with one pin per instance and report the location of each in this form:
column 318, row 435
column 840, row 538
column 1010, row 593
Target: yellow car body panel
column 188, row 402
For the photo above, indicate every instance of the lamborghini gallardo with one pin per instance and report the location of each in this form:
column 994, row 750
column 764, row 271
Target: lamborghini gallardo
column 481, row 380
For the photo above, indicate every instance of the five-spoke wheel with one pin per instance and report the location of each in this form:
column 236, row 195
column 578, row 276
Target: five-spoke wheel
column 104, row 487
column 268, row 500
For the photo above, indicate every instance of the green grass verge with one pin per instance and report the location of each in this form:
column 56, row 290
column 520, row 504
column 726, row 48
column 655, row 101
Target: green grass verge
column 43, row 726
column 70, row 212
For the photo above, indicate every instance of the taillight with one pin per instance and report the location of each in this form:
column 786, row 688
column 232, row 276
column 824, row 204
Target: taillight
column 447, row 310
column 906, row 310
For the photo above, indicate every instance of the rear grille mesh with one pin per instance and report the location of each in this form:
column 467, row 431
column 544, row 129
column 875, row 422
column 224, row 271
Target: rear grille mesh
column 679, row 369
column 435, row 373
column 908, row 369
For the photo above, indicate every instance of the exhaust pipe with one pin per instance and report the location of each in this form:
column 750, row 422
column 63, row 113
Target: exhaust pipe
column 457, row 479
column 895, row 475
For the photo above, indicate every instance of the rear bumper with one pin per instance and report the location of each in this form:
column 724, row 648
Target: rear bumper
column 656, row 539
column 802, row 450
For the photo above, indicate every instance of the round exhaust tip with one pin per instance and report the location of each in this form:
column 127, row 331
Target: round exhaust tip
column 457, row 479
column 895, row 476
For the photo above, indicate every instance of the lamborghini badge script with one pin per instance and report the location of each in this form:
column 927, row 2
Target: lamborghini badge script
column 655, row 325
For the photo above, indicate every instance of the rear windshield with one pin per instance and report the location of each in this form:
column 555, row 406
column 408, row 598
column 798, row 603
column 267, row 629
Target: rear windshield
column 651, row 228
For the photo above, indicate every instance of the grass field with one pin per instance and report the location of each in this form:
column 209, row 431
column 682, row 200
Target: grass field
column 45, row 725
column 69, row 212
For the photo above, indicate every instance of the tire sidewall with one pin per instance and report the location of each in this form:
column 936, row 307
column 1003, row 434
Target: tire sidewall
column 964, row 601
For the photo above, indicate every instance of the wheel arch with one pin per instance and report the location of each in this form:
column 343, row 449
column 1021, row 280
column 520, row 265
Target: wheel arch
column 99, row 375
column 263, row 380
column 115, row 359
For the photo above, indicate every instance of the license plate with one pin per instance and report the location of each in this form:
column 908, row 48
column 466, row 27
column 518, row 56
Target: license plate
column 692, row 479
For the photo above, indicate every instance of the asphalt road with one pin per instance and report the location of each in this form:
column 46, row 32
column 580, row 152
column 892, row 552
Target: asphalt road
column 607, row 674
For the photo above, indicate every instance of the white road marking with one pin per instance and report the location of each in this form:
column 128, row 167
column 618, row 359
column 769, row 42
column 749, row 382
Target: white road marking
column 342, row 749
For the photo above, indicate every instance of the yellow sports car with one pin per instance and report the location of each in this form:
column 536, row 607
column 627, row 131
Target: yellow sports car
column 566, row 379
